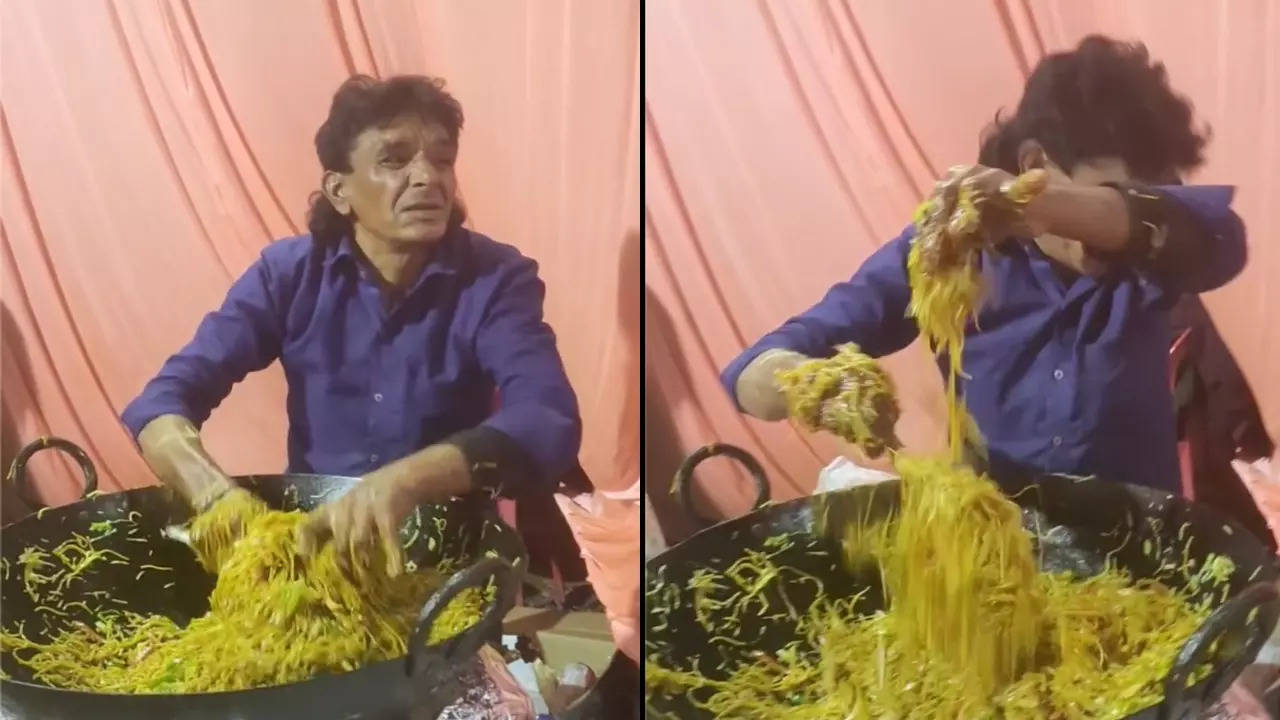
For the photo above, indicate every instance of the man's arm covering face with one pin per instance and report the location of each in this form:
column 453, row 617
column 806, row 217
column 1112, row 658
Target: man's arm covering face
column 1186, row 237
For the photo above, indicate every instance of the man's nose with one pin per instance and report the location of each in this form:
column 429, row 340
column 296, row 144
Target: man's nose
column 421, row 172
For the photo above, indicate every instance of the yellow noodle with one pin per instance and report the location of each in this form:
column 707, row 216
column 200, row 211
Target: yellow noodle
column 961, row 573
column 274, row 618
column 1105, row 648
column 848, row 395
column 943, row 271
column 215, row 531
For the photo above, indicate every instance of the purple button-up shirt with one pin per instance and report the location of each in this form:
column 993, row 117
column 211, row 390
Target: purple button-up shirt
column 370, row 384
column 1064, row 376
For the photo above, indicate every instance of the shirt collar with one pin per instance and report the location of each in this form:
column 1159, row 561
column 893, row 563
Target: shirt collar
column 446, row 260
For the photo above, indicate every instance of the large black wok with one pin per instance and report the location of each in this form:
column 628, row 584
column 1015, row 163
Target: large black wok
column 393, row 689
column 1077, row 523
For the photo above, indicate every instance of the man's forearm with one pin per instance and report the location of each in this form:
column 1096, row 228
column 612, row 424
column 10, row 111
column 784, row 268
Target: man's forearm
column 437, row 472
column 498, row 463
column 172, row 448
column 1191, row 240
column 757, row 387
column 1096, row 216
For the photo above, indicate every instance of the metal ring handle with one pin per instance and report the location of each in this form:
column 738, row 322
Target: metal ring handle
column 468, row 642
column 684, row 477
column 18, row 469
column 1231, row 619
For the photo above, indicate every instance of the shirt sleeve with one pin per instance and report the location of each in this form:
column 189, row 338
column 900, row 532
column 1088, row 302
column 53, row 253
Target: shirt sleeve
column 240, row 337
column 538, row 408
column 1203, row 246
column 870, row 309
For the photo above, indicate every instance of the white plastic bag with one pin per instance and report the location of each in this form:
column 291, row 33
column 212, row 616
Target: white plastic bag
column 1262, row 479
column 526, row 679
column 844, row 473
column 491, row 692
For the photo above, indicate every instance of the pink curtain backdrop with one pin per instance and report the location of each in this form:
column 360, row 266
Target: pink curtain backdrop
column 151, row 148
column 785, row 141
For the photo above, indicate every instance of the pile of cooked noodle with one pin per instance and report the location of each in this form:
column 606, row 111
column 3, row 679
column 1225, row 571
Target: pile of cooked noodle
column 274, row 618
column 968, row 627
column 971, row 628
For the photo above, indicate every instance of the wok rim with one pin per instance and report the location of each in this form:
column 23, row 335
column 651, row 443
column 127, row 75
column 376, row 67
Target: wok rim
column 1142, row 493
column 83, row 502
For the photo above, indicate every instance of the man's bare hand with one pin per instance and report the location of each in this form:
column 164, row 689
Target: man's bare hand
column 365, row 523
column 976, row 206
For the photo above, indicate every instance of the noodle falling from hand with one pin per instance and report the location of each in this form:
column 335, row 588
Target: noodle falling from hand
column 971, row 628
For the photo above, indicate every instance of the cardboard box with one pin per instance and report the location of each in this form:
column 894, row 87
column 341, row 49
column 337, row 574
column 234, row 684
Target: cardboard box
column 578, row 637
column 528, row 621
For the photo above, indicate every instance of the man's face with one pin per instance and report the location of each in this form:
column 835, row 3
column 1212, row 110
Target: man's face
column 402, row 182
column 1096, row 171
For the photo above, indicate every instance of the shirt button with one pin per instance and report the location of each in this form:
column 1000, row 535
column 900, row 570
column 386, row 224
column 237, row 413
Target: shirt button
column 377, row 397
column 1057, row 374
column 1057, row 440
column 373, row 458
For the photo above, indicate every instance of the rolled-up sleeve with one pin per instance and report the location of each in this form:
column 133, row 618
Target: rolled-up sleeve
column 1205, row 248
column 869, row 309
column 538, row 409
column 240, row 337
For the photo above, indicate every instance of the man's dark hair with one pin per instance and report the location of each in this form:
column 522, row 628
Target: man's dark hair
column 361, row 103
column 1105, row 98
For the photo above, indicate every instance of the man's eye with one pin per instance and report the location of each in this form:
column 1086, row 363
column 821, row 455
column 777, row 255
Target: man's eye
column 392, row 162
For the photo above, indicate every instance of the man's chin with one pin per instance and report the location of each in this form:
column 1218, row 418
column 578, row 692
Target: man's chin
column 422, row 233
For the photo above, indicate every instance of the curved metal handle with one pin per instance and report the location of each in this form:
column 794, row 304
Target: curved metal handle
column 1230, row 621
column 18, row 470
column 468, row 642
column 684, row 477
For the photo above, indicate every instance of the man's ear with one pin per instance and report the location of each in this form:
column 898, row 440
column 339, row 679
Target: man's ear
column 333, row 184
column 1031, row 156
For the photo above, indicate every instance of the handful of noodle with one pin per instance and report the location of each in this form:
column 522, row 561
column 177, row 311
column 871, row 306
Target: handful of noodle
column 273, row 618
column 214, row 532
column 848, row 395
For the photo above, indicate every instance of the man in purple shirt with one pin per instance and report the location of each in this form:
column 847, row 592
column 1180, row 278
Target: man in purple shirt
column 398, row 330
column 1067, row 363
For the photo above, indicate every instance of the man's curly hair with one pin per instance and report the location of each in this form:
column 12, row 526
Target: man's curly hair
column 1103, row 99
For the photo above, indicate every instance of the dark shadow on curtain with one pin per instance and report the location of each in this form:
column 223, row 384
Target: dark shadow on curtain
column 13, row 410
column 662, row 449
